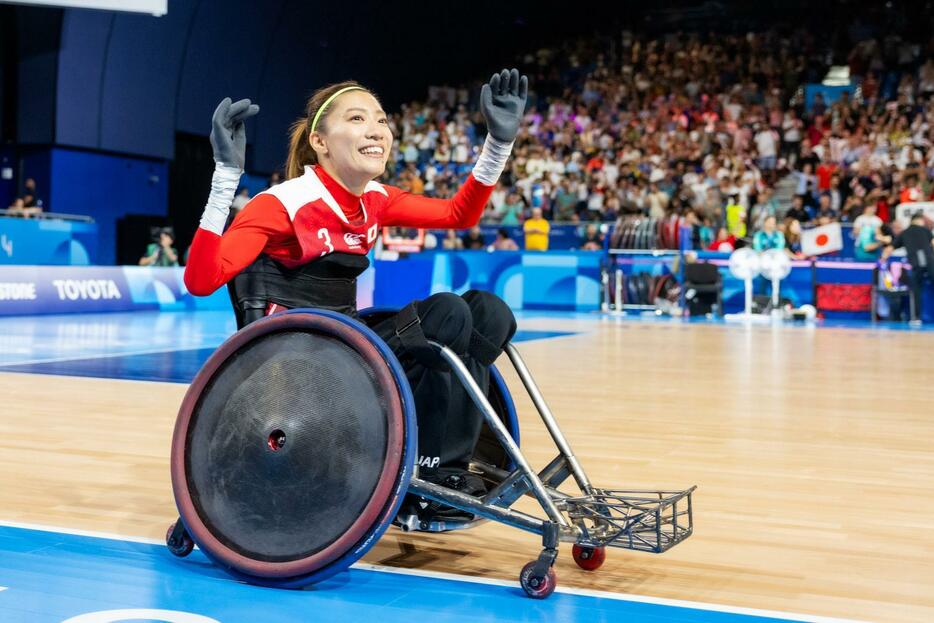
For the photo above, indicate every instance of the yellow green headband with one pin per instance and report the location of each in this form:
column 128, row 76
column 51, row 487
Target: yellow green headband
column 327, row 102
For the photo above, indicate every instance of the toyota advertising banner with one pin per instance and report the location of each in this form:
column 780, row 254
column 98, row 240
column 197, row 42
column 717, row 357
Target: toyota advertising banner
column 76, row 289
column 27, row 290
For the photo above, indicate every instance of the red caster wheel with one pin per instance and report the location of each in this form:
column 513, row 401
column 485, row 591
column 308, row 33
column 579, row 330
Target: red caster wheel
column 588, row 558
column 180, row 546
column 537, row 587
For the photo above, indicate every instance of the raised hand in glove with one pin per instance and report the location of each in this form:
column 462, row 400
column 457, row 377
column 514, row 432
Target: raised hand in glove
column 502, row 103
column 228, row 134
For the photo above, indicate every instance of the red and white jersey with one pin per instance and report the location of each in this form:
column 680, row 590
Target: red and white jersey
column 321, row 226
column 308, row 217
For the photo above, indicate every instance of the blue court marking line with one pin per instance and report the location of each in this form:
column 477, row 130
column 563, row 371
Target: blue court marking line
column 164, row 365
column 525, row 335
column 55, row 574
column 172, row 366
column 29, row 338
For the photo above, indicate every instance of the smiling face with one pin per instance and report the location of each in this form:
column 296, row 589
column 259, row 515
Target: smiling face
column 353, row 140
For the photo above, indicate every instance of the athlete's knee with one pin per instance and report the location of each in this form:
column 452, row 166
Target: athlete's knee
column 493, row 325
column 447, row 319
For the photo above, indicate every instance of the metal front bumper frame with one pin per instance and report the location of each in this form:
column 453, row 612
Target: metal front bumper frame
column 652, row 521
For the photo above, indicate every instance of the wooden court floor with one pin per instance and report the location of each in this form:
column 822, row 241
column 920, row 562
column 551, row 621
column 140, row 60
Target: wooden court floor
column 811, row 448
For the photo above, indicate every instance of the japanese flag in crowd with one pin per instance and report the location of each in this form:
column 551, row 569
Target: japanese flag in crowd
column 823, row 239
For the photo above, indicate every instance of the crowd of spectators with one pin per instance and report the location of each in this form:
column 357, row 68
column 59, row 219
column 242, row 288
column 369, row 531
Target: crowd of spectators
column 714, row 129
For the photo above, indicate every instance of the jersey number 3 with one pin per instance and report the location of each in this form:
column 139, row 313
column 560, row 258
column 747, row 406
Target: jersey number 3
column 324, row 235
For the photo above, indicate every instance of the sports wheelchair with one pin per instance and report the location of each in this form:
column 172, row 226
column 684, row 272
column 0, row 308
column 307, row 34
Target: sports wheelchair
column 295, row 446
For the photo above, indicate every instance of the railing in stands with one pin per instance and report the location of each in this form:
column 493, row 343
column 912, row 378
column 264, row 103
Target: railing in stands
column 47, row 216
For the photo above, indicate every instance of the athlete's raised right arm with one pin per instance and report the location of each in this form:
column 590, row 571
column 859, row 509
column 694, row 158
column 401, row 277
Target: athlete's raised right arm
column 217, row 256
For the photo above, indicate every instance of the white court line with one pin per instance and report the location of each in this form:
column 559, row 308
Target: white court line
column 74, row 532
column 583, row 592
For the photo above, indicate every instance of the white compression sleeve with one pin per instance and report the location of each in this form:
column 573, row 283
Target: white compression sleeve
column 492, row 161
column 223, row 186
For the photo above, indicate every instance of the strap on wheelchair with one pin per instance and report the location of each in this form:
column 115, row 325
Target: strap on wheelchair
column 482, row 349
column 250, row 295
column 408, row 329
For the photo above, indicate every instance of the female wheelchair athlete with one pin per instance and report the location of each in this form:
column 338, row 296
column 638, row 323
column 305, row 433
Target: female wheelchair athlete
column 294, row 449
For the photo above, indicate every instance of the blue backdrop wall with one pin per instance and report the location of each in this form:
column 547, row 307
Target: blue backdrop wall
column 106, row 187
column 126, row 83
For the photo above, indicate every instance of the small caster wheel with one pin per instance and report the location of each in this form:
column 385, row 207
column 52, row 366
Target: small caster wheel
column 180, row 546
column 537, row 587
column 588, row 558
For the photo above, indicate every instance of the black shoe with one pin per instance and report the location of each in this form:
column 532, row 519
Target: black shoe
column 458, row 479
column 454, row 478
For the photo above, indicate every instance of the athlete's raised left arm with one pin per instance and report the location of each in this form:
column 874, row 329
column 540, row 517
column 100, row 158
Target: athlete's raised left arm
column 502, row 102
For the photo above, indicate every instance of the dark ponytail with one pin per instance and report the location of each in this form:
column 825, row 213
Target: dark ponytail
column 300, row 151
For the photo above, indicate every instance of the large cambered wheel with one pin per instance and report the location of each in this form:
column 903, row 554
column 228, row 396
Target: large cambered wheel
column 293, row 448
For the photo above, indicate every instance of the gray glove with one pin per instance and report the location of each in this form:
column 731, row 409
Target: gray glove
column 502, row 103
column 228, row 134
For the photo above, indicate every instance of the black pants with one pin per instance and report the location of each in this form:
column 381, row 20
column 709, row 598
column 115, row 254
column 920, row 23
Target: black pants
column 477, row 327
column 916, row 278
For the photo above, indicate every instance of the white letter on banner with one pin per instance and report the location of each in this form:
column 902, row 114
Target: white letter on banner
column 135, row 614
column 113, row 292
column 58, row 283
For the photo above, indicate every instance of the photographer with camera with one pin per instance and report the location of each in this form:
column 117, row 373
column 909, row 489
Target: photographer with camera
column 160, row 252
